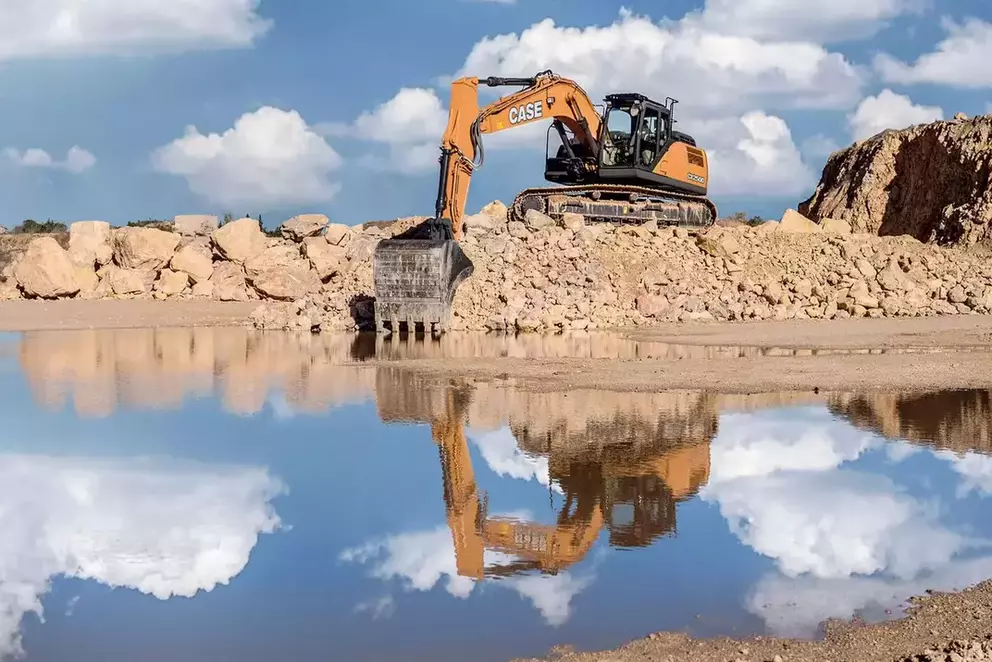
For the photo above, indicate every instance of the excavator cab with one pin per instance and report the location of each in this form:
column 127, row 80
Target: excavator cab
column 635, row 133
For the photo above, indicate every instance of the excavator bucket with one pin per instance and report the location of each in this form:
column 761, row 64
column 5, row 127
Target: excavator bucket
column 415, row 281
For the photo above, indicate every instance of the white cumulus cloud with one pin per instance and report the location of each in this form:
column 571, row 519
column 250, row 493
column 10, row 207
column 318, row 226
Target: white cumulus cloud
column 269, row 157
column 410, row 125
column 78, row 27
column 819, row 145
column 707, row 70
column 76, row 160
column 814, row 20
column 959, row 60
column 763, row 161
column 889, row 110
column 164, row 528
column 728, row 84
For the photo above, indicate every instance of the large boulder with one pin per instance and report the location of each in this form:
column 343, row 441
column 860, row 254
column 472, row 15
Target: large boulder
column 88, row 281
column 194, row 262
column 274, row 258
column 145, row 249
column 793, row 221
column 195, row 225
column 171, row 282
column 89, row 243
column 326, row 259
column 46, row 271
column 240, row 241
column 478, row 225
column 337, row 234
column 125, row 281
column 300, row 227
column 286, row 284
column 229, row 282
column 929, row 181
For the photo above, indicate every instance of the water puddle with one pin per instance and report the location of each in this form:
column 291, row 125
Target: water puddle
column 226, row 494
column 593, row 345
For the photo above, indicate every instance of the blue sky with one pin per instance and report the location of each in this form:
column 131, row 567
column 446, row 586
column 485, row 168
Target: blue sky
column 290, row 100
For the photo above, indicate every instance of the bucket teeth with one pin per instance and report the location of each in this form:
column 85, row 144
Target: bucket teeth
column 415, row 282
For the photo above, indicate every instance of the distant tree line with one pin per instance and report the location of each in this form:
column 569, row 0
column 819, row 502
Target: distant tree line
column 31, row 226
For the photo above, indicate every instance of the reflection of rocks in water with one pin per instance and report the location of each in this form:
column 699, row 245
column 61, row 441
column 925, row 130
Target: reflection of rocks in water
column 955, row 420
column 574, row 344
column 402, row 396
column 101, row 370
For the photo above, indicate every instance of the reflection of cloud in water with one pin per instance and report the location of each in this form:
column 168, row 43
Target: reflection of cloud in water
column 975, row 471
column 382, row 607
column 835, row 524
column 754, row 445
column 161, row 527
column 795, row 607
column 501, row 452
column 843, row 540
column 423, row 559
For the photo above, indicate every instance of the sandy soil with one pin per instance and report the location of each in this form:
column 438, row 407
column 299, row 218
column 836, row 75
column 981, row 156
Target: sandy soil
column 110, row 314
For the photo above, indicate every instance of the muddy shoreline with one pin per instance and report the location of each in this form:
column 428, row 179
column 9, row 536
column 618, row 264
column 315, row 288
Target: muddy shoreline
column 941, row 626
column 861, row 354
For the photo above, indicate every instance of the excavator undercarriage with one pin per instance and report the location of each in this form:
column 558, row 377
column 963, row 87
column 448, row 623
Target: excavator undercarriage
column 616, row 204
column 626, row 165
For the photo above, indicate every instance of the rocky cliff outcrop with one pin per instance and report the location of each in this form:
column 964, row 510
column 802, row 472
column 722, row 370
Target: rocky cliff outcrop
column 929, row 181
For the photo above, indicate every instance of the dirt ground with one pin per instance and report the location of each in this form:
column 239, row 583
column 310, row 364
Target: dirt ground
column 110, row 314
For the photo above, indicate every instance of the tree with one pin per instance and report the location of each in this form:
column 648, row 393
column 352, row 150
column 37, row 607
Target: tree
column 30, row 226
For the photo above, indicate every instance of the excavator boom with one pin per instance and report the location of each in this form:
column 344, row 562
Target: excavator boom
column 643, row 172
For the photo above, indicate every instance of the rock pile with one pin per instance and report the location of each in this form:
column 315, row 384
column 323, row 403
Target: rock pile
column 532, row 275
column 232, row 262
column 538, row 275
column 930, row 181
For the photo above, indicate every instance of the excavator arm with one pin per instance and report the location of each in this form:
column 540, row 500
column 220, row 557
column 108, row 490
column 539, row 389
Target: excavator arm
column 548, row 548
column 546, row 96
column 417, row 272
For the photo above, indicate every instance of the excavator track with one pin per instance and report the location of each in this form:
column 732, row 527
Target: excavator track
column 617, row 203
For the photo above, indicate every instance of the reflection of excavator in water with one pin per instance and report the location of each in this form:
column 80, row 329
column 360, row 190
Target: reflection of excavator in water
column 626, row 165
column 637, row 503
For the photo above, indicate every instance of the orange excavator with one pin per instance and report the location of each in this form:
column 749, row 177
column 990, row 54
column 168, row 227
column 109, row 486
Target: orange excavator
column 626, row 164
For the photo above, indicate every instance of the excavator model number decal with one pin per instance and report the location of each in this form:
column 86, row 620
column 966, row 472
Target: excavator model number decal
column 696, row 178
column 528, row 111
